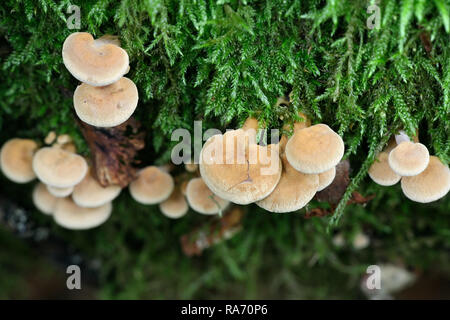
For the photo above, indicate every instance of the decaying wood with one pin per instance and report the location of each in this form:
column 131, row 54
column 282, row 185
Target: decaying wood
column 334, row 192
column 113, row 151
column 212, row 232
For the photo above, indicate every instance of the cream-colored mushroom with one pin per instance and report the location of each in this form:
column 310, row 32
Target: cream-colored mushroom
column 15, row 160
column 90, row 194
column 202, row 199
column 43, row 200
column 95, row 63
column 152, row 186
column 380, row 171
column 409, row 158
column 175, row 206
column 60, row 192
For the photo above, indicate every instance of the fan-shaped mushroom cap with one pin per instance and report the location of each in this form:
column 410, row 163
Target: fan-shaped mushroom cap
column 409, row 158
column 70, row 216
column 152, row 186
column 43, row 200
column 59, row 192
column 16, row 157
column 90, row 194
column 315, row 149
column 59, row 168
column 237, row 170
column 380, row 171
column 202, row 199
column 326, row 178
column 175, row 206
column 94, row 63
column 293, row 192
column 107, row 106
column 430, row 185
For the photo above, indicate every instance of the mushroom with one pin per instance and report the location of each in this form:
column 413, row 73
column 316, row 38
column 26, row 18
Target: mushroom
column 238, row 170
column 380, row 171
column 43, row 200
column 97, row 63
column 152, row 186
column 59, row 192
column 50, row 138
column 70, row 216
column 59, row 168
column 107, row 106
column 326, row 178
column 294, row 190
column 90, row 194
column 63, row 139
column 202, row 199
column 175, row 206
column 15, row 160
column 430, row 185
column 409, row 158
column 314, row 149
column 191, row 167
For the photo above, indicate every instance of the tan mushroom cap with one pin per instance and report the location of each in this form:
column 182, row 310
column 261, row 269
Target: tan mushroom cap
column 90, row 194
column 326, row 178
column 59, row 192
column 237, row 170
column 315, row 149
column 202, row 199
column 70, row 216
column 107, row 106
column 16, row 157
column 175, row 206
column 409, row 158
column 152, row 186
column 43, row 200
column 59, row 168
column 430, row 185
column 191, row 167
column 380, row 171
column 95, row 63
column 293, row 192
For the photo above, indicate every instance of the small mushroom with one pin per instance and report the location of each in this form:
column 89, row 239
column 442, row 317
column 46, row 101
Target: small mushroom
column 314, row 149
column 43, row 200
column 430, row 185
column 90, row 194
column 175, row 206
column 59, row 168
column 59, row 192
column 95, row 63
column 191, row 167
column 63, row 139
column 152, row 186
column 107, row 106
column 202, row 199
column 238, row 170
column 326, row 178
column 380, row 171
column 294, row 190
column 409, row 158
column 50, row 138
column 15, row 160
column 70, row 216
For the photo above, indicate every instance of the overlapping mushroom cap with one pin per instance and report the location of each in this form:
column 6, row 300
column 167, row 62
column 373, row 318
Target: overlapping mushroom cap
column 68, row 215
column 96, row 63
column 59, row 168
column 16, row 157
column 381, row 172
column 89, row 193
column 106, row 106
column 430, row 185
column 175, row 206
column 43, row 200
column 238, row 170
column 60, row 192
column 326, row 178
column 315, row 149
column 152, row 186
column 202, row 199
column 293, row 192
column 409, row 158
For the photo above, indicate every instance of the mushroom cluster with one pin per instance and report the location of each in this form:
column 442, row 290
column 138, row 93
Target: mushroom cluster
column 424, row 178
column 281, row 178
column 155, row 185
column 67, row 189
column 105, row 98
